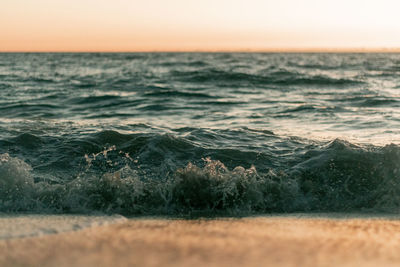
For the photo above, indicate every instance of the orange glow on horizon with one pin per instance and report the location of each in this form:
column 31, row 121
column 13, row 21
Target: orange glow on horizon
column 210, row 25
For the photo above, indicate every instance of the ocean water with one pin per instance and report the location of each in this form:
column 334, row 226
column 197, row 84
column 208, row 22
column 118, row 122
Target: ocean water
column 178, row 133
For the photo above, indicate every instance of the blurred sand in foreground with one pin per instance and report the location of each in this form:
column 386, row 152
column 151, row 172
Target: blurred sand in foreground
column 251, row 241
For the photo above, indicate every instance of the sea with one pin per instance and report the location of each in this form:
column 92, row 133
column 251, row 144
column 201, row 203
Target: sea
column 206, row 133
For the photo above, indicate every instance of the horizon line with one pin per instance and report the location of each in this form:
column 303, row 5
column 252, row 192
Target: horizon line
column 266, row 50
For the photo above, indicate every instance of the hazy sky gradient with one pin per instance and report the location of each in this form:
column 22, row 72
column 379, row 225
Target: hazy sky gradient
column 148, row 25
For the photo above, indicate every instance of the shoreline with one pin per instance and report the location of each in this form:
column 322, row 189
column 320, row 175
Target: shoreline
column 288, row 240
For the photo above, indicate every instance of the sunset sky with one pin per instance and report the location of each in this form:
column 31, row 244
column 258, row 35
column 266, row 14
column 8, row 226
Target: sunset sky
column 193, row 25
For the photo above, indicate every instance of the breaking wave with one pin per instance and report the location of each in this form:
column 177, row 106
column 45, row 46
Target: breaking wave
column 172, row 179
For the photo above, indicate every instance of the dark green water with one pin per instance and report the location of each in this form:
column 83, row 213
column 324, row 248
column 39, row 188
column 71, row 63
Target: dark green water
column 162, row 133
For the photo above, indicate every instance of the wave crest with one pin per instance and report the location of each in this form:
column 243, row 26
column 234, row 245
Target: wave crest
column 338, row 176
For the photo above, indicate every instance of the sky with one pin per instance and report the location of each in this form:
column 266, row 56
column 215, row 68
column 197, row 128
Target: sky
column 198, row 25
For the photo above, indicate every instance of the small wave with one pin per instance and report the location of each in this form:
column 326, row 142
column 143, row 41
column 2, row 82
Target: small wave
column 267, row 132
column 94, row 99
column 319, row 80
column 174, row 93
column 281, row 77
column 5, row 86
column 369, row 101
column 155, row 107
column 84, row 84
column 313, row 108
column 28, row 140
column 374, row 102
column 284, row 77
column 212, row 75
column 219, row 103
column 111, row 137
column 41, row 79
column 195, row 63
column 27, row 110
column 24, row 106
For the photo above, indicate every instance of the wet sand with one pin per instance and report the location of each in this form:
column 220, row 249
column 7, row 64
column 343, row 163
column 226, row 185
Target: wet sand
column 252, row 241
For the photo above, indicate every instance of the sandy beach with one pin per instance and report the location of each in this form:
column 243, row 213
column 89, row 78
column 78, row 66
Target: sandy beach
column 253, row 241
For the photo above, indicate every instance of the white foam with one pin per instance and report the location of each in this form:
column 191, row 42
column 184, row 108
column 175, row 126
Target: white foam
column 14, row 173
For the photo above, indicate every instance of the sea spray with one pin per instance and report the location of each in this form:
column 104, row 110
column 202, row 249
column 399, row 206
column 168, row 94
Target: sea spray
column 338, row 176
column 16, row 183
